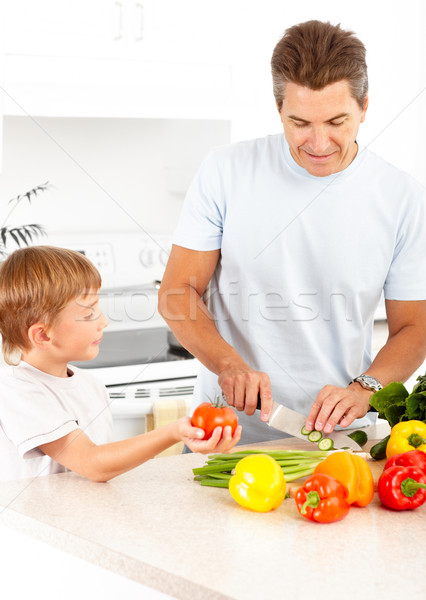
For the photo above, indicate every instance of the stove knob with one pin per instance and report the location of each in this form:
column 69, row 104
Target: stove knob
column 146, row 257
column 164, row 257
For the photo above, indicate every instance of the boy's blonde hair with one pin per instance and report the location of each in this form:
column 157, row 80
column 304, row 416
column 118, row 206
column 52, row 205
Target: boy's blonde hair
column 36, row 283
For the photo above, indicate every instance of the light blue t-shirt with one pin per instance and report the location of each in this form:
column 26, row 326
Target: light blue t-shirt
column 304, row 261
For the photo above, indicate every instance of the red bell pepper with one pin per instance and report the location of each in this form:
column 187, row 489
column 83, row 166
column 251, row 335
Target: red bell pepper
column 412, row 458
column 323, row 499
column 402, row 488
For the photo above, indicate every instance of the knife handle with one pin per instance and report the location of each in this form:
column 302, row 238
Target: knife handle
column 259, row 401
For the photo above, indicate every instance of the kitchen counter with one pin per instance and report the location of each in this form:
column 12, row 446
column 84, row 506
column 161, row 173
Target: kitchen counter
column 157, row 526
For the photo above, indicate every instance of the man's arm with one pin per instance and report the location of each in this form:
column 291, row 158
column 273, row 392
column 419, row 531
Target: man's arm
column 403, row 353
column 185, row 280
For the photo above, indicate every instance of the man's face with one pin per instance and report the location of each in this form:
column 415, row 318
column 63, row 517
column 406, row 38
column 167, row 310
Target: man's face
column 321, row 126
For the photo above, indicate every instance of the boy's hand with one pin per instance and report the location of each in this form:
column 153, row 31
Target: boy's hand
column 220, row 441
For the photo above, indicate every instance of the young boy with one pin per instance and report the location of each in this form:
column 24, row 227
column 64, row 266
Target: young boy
column 54, row 417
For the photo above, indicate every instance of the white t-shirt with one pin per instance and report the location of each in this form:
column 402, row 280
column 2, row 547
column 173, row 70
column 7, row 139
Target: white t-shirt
column 304, row 261
column 37, row 408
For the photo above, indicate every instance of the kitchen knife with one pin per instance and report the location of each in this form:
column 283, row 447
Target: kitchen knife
column 289, row 421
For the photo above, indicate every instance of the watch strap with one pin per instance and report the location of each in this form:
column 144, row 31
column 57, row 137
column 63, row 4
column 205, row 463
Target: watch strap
column 364, row 380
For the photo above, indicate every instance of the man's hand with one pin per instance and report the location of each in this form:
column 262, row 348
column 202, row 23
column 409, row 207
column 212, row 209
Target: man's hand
column 241, row 387
column 335, row 405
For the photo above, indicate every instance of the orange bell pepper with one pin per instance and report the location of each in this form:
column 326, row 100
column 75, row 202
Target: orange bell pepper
column 353, row 472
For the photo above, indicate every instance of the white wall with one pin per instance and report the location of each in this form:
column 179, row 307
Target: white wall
column 106, row 174
column 394, row 33
column 124, row 174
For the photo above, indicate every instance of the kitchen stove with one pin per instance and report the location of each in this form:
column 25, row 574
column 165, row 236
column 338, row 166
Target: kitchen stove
column 135, row 361
column 136, row 346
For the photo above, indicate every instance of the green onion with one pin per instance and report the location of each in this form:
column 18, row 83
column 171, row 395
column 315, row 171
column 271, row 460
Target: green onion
column 295, row 464
column 214, row 483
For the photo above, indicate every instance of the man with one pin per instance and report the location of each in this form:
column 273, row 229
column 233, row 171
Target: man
column 285, row 245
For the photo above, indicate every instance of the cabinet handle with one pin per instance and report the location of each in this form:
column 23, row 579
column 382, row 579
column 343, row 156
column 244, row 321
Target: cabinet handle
column 119, row 34
column 139, row 8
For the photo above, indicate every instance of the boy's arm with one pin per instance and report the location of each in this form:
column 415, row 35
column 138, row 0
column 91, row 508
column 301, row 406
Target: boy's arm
column 77, row 452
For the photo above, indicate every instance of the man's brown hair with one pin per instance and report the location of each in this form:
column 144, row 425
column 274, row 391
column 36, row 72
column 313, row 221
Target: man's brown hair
column 315, row 54
column 36, row 283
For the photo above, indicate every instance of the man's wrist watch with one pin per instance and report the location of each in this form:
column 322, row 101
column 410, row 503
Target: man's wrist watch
column 368, row 382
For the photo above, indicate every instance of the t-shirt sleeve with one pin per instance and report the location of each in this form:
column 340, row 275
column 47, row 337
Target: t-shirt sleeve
column 406, row 279
column 31, row 415
column 200, row 225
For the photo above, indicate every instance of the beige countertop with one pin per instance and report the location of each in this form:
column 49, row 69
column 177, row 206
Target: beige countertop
column 158, row 527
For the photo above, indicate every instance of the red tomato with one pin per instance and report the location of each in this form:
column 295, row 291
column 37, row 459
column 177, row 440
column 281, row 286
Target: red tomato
column 209, row 415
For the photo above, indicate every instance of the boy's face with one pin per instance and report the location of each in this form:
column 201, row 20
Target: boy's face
column 77, row 331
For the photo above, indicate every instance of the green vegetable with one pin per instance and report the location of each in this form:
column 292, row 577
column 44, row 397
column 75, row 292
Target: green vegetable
column 378, row 451
column 314, row 436
column 421, row 386
column 358, row 436
column 305, row 431
column 395, row 404
column 326, row 444
column 294, row 463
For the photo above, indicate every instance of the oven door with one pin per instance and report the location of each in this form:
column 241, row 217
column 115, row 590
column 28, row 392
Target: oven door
column 140, row 407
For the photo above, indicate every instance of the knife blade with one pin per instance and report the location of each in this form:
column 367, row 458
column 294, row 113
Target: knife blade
column 290, row 421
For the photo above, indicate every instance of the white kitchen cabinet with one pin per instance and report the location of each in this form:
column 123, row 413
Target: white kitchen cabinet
column 167, row 30
column 1, row 86
column 62, row 28
column 114, row 58
column 1, row 121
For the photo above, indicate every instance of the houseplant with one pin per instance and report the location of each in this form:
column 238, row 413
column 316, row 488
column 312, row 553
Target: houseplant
column 21, row 234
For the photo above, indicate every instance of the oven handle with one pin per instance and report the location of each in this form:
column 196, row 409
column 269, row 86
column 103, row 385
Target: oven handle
column 130, row 410
column 153, row 287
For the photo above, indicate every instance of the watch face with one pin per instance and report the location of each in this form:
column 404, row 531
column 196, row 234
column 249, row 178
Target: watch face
column 369, row 382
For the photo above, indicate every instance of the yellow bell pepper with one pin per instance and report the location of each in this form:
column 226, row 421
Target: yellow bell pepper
column 258, row 483
column 405, row 436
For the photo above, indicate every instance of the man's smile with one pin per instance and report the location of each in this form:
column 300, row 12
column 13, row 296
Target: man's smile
column 318, row 158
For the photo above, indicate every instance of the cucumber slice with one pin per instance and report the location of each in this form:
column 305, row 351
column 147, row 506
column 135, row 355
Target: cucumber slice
column 325, row 444
column 314, row 436
column 304, row 431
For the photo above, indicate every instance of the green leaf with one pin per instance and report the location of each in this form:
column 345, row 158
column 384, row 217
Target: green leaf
column 396, row 413
column 20, row 232
column 14, row 237
column 421, row 386
column 20, row 235
column 394, row 393
column 30, row 194
column 416, row 406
